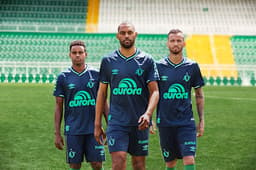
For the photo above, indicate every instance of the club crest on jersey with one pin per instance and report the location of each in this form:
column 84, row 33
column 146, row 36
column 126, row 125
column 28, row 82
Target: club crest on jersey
column 139, row 71
column 176, row 91
column 127, row 86
column 186, row 77
column 90, row 84
column 82, row 98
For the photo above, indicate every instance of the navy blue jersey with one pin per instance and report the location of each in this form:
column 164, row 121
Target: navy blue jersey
column 176, row 81
column 79, row 91
column 128, row 79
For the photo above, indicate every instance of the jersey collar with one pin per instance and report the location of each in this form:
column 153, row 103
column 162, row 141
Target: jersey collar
column 79, row 74
column 175, row 65
column 128, row 58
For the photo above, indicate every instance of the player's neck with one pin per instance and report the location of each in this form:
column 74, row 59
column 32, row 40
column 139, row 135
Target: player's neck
column 176, row 59
column 127, row 52
column 79, row 68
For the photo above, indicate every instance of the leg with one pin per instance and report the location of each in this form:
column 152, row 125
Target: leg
column 188, row 160
column 118, row 160
column 75, row 166
column 171, row 164
column 96, row 165
column 138, row 162
column 189, row 163
column 169, row 146
column 94, row 152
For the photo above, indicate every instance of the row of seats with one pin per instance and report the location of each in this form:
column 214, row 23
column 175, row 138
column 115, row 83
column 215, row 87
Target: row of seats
column 197, row 16
column 43, row 16
column 51, row 78
column 244, row 48
column 30, row 78
column 205, row 49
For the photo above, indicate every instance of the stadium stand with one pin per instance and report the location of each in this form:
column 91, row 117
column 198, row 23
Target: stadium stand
column 220, row 35
column 43, row 16
column 197, row 16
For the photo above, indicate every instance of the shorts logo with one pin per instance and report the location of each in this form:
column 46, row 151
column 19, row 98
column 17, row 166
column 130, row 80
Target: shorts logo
column 166, row 154
column 176, row 91
column 82, row 98
column 71, row 154
column 111, row 141
column 127, row 86
column 145, row 147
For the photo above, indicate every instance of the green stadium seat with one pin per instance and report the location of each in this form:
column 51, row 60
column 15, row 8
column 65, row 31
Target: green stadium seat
column 239, row 81
column 30, row 78
column 225, row 81
column 10, row 77
column 51, row 78
column 17, row 78
column 3, row 77
column 211, row 80
column 205, row 80
column 44, row 78
column 23, row 78
column 232, row 81
column 37, row 78
column 253, row 81
column 218, row 80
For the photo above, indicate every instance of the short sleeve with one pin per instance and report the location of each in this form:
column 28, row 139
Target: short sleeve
column 59, row 86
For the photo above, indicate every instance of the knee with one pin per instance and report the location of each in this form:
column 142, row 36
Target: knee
column 96, row 165
column 118, row 160
column 188, row 160
column 138, row 163
column 171, row 164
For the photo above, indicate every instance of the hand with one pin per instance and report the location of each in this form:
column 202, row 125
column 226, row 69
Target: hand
column 152, row 128
column 144, row 121
column 100, row 135
column 200, row 128
column 59, row 143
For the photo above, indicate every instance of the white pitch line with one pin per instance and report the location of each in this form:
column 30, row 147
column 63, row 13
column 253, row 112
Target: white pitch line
column 230, row 98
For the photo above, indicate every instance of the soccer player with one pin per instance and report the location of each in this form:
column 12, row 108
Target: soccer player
column 175, row 121
column 132, row 77
column 76, row 89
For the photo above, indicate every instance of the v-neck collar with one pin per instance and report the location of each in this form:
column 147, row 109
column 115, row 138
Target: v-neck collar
column 175, row 65
column 81, row 73
column 128, row 58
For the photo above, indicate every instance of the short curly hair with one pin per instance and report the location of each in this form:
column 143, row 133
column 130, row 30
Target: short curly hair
column 77, row 42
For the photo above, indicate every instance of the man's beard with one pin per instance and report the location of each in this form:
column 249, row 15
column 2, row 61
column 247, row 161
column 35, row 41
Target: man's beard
column 126, row 45
column 176, row 51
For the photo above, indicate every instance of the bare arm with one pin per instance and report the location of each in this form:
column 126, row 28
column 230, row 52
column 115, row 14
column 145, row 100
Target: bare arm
column 100, row 109
column 144, row 120
column 106, row 110
column 57, row 122
column 199, row 95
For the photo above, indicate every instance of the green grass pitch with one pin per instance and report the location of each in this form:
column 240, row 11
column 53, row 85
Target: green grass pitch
column 27, row 133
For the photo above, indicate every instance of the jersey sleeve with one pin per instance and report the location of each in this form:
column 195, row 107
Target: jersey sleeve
column 152, row 71
column 59, row 89
column 198, row 80
column 104, row 78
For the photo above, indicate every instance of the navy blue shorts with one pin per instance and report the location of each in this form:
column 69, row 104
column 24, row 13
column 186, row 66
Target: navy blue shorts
column 128, row 139
column 177, row 142
column 80, row 146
